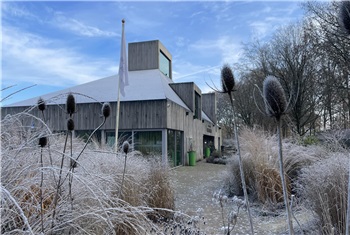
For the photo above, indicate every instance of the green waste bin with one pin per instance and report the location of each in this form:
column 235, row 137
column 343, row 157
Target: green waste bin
column 207, row 152
column 192, row 158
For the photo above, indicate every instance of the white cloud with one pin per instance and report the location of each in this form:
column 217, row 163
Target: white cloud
column 12, row 9
column 261, row 29
column 270, row 18
column 201, row 75
column 226, row 48
column 79, row 27
column 28, row 57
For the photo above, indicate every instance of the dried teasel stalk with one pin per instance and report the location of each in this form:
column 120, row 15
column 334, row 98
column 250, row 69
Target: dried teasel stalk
column 227, row 79
column 43, row 141
column 70, row 104
column 41, row 104
column 228, row 86
column 70, row 124
column 276, row 106
column 125, row 147
column 106, row 109
column 275, row 98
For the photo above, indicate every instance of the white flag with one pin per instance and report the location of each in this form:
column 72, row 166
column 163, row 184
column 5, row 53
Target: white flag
column 123, row 66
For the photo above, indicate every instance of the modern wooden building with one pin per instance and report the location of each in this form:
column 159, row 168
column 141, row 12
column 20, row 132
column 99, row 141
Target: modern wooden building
column 157, row 115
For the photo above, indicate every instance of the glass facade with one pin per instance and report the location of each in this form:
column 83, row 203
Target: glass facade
column 123, row 136
column 84, row 134
column 148, row 142
column 175, row 141
column 164, row 64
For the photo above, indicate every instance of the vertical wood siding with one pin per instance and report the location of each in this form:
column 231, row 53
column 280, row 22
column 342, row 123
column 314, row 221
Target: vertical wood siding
column 186, row 92
column 209, row 105
column 143, row 55
column 133, row 115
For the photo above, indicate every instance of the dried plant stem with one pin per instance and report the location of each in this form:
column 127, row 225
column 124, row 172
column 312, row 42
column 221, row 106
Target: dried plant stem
column 48, row 147
column 241, row 166
column 222, row 213
column 41, row 190
column 74, row 162
column 291, row 206
column 121, row 186
column 348, row 207
column 87, row 141
column 235, row 222
column 71, row 175
column 284, row 185
column 55, row 200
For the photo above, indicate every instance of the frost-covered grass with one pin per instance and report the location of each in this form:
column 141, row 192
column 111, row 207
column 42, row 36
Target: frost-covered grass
column 316, row 174
column 323, row 186
column 28, row 188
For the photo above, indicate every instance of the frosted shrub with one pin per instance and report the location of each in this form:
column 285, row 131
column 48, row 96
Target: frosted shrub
column 97, row 209
column 160, row 192
column 323, row 185
column 260, row 157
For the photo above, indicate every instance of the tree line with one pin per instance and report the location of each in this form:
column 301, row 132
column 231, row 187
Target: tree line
column 311, row 58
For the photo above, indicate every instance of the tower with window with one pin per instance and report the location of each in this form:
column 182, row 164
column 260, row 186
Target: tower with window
column 150, row 55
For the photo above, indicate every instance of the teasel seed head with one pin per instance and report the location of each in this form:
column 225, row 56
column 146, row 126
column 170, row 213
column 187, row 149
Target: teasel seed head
column 344, row 16
column 70, row 104
column 43, row 141
column 274, row 96
column 70, row 124
column 227, row 79
column 73, row 163
column 125, row 147
column 41, row 104
column 106, row 109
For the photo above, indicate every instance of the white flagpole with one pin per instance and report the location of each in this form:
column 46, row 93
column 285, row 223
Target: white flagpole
column 118, row 102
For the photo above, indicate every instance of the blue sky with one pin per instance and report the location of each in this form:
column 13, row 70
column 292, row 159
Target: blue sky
column 56, row 45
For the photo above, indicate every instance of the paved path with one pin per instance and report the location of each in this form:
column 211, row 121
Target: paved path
column 194, row 188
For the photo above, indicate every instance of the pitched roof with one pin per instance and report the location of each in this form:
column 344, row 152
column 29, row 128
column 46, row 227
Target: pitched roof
column 143, row 85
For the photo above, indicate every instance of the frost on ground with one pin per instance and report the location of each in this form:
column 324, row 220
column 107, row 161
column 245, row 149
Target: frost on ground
column 194, row 188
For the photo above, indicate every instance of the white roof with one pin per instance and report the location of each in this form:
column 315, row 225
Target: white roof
column 143, row 85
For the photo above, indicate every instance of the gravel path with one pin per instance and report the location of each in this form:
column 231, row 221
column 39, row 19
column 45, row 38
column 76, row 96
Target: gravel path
column 194, row 189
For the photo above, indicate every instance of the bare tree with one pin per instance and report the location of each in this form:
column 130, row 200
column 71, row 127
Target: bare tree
column 334, row 46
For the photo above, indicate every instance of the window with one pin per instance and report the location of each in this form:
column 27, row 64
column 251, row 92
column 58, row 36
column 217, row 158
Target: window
column 174, row 147
column 84, row 135
column 122, row 136
column 148, row 142
column 197, row 106
column 164, row 64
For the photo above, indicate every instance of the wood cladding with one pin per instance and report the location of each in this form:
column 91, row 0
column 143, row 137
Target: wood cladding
column 145, row 55
column 147, row 114
column 209, row 105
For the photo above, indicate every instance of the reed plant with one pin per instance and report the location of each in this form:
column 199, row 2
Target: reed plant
column 35, row 201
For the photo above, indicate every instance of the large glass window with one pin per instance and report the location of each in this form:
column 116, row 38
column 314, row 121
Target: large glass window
column 174, row 148
column 122, row 136
column 164, row 64
column 86, row 133
column 148, row 142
